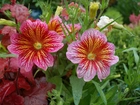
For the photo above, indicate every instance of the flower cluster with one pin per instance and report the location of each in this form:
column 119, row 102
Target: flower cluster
column 37, row 45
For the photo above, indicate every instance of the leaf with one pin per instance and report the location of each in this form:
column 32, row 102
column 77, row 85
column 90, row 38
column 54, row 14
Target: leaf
column 77, row 86
column 6, row 89
column 5, row 55
column 125, row 68
column 98, row 87
column 130, row 49
column 136, row 56
column 13, row 99
column 57, row 81
column 38, row 94
column 105, row 84
column 23, row 84
column 4, row 63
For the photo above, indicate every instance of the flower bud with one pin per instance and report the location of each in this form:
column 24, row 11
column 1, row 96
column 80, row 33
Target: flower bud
column 94, row 6
column 58, row 10
column 118, row 26
column 7, row 22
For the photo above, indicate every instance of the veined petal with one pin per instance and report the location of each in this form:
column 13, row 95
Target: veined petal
column 34, row 30
column 43, row 60
column 94, row 54
column 34, row 44
column 55, row 24
column 53, row 42
column 102, row 70
column 93, row 39
column 107, row 54
column 74, row 52
column 25, row 62
column 19, row 44
column 86, row 70
column 107, row 49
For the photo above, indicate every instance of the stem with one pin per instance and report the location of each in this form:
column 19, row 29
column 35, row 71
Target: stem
column 16, row 81
column 36, row 72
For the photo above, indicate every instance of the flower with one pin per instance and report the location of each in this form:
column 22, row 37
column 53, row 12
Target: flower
column 20, row 12
column 93, row 54
column 55, row 24
column 104, row 20
column 74, row 29
column 34, row 44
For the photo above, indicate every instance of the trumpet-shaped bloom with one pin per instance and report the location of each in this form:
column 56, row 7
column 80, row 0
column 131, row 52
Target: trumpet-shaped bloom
column 34, row 45
column 93, row 54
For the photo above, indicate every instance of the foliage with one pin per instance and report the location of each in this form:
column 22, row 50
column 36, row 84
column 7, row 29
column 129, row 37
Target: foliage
column 128, row 7
column 112, row 12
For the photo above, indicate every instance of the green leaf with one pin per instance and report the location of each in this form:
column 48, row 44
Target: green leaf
column 136, row 56
column 125, row 68
column 77, row 86
column 99, row 89
column 105, row 84
column 5, row 55
column 57, row 81
column 130, row 49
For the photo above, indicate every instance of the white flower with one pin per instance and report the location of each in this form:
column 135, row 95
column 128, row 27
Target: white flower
column 104, row 20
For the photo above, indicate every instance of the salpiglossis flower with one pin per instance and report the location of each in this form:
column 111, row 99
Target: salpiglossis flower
column 93, row 54
column 55, row 24
column 34, row 45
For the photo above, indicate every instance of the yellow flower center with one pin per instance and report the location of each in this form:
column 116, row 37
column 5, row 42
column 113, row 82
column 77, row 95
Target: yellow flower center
column 37, row 45
column 91, row 56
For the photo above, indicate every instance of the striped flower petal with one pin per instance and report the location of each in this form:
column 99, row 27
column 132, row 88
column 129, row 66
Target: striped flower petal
column 34, row 44
column 55, row 24
column 93, row 54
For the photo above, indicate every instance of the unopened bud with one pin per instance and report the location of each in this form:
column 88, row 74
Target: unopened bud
column 7, row 22
column 58, row 10
column 94, row 6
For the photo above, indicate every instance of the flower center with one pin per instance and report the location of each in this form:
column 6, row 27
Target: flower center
column 91, row 56
column 37, row 45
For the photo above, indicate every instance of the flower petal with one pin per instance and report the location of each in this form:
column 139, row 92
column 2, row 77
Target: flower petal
column 34, row 30
column 93, row 39
column 25, row 63
column 106, row 54
column 19, row 44
column 86, row 70
column 74, row 52
column 103, row 70
column 43, row 60
column 52, row 42
column 55, row 24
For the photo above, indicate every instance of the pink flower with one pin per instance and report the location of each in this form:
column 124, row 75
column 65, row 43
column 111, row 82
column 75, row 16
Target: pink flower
column 74, row 29
column 134, row 19
column 5, row 7
column 20, row 12
column 7, row 31
column 93, row 54
column 34, row 45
